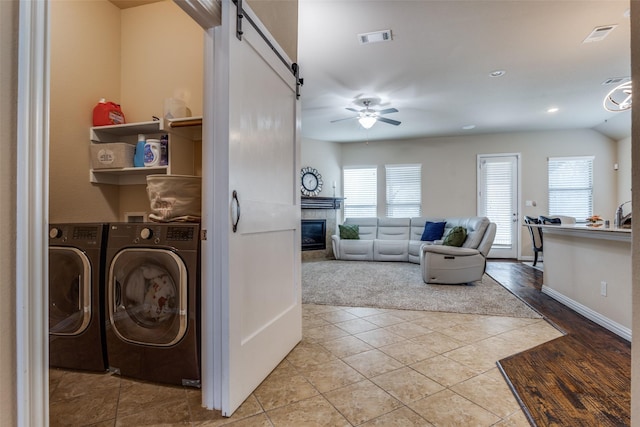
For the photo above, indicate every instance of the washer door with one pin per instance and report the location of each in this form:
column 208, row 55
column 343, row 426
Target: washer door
column 147, row 296
column 69, row 291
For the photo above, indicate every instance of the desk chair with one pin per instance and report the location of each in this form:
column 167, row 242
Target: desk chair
column 536, row 236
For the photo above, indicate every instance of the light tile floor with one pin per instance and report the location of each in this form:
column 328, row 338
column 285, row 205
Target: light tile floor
column 354, row 367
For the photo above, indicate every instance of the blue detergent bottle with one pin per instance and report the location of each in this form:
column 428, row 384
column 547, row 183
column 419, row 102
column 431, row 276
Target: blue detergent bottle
column 138, row 158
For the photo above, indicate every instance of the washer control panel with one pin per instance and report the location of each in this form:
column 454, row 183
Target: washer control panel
column 146, row 233
column 178, row 235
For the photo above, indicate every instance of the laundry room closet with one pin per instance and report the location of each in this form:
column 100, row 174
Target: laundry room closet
column 138, row 54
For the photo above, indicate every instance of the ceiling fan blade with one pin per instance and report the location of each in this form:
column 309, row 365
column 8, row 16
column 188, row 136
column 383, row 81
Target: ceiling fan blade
column 387, row 111
column 346, row 118
column 352, row 109
column 390, row 121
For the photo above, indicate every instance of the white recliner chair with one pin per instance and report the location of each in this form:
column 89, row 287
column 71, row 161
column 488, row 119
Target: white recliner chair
column 459, row 265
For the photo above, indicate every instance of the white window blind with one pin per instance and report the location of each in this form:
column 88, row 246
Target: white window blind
column 403, row 190
column 571, row 186
column 498, row 199
column 360, row 192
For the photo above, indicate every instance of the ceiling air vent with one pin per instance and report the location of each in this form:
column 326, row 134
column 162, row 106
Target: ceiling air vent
column 375, row 37
column 615, row 80
column 599, row 33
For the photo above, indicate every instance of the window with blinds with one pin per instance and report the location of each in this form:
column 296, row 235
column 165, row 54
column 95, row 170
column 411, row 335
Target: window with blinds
column 497, row 200
column 571, row 186
column 404, row 191
column 360, row 192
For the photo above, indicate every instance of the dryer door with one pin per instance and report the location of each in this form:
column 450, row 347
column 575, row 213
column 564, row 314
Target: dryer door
column 147, row 296
column 69, row 291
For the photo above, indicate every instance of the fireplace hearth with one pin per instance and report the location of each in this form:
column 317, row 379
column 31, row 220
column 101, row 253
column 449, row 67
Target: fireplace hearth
column 313, row 234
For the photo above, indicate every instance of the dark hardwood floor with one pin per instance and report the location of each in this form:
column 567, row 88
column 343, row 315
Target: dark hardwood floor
column 580, row 379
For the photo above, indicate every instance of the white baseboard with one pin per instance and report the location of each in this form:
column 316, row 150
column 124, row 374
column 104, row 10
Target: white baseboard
column 590, row 314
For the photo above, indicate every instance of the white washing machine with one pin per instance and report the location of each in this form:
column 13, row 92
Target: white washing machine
column 153, row 301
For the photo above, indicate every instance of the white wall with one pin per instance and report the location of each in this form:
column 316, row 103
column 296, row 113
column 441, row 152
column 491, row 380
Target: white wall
column 326, row 157
column 449, row 168
column 624, row 171
column 85, row 66
column 162, row 57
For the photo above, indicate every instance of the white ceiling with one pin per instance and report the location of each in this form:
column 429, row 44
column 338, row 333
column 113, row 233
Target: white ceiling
column 436, row 69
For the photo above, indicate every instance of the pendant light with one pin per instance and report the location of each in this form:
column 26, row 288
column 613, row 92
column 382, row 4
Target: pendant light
column 619, row 99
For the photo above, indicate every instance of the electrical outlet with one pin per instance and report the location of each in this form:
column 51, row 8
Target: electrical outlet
column 603, row 288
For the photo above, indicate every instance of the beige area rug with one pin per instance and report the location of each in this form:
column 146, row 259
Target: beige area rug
column 399, row 285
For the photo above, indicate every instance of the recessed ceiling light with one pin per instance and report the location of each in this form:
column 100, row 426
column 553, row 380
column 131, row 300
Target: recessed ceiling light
column 467, row 127
column 497, row 73
column 553, row 110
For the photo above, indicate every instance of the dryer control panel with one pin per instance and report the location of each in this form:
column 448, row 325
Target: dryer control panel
column 184, row 236
column 180, row 233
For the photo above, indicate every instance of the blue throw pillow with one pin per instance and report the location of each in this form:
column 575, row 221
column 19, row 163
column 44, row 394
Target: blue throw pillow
column 433, row 231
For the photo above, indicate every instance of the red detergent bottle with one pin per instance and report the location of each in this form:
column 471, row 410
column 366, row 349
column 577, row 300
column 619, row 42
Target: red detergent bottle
column 107, row 113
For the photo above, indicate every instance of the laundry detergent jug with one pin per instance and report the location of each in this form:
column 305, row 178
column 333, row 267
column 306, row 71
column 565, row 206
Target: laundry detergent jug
column 107, row 113
column 152, row 152
column 138, row 158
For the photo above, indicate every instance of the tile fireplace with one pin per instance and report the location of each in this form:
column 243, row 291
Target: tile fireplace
column 313, row 233
column 317, row 210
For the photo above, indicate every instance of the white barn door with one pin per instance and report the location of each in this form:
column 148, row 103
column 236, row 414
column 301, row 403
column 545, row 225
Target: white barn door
column 254, row 241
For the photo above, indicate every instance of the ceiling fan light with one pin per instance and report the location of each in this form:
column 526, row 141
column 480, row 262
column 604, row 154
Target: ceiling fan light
column 367, row 121
column 619, row 98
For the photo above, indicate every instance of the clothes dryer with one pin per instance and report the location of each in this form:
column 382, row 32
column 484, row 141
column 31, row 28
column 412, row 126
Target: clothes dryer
column 76, row 296
column 152, row 301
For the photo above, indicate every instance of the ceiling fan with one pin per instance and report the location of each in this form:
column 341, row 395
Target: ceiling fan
column 367, row 117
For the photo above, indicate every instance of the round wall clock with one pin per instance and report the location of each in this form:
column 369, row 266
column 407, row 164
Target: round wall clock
column 311, row 181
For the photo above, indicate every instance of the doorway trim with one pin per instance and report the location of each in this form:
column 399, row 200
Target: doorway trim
column 32, row 211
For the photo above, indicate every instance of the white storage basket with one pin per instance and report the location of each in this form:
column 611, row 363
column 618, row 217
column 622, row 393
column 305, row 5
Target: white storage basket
column 114, row 155
column 174, row 197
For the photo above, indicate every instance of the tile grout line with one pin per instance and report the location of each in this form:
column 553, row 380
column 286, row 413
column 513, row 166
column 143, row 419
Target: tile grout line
column 449, row 388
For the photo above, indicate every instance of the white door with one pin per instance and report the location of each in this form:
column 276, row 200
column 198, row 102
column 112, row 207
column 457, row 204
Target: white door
column 254, row 238
column 498, row 183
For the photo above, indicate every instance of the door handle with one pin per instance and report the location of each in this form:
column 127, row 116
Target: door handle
column 235, row 210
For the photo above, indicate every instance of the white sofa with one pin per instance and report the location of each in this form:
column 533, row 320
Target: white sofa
column 398, row 239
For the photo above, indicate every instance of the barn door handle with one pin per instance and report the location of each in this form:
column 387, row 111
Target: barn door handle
column 235, row 210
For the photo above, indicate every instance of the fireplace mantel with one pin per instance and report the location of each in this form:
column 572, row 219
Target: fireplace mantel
column 320, row 202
